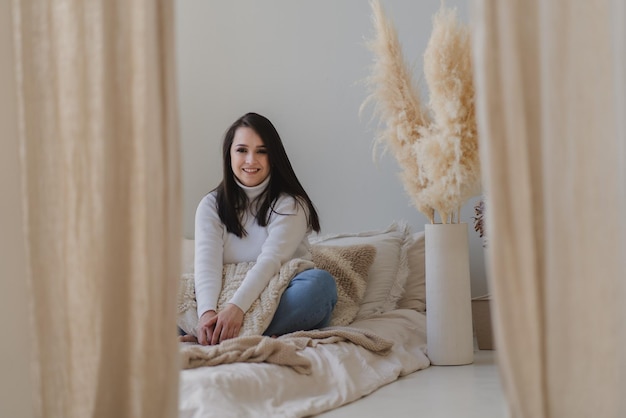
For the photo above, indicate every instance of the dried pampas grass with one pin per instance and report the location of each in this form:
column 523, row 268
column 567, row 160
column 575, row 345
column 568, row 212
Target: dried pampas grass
column 436, row 147
column 397, row 102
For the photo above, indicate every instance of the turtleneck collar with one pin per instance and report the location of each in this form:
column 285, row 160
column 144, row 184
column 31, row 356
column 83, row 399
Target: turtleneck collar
column 254, row 191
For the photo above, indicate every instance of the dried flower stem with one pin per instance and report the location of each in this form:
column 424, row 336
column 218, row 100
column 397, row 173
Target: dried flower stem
column 479, row 221
column 438, row 155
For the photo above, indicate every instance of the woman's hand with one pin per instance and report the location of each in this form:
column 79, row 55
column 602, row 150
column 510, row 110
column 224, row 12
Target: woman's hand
column 213, row 328
column 227, row 323
column 206, row 325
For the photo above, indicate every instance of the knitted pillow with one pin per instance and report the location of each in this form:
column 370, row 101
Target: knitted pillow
column 349, row 265
column 260, row 314
column 389, row 271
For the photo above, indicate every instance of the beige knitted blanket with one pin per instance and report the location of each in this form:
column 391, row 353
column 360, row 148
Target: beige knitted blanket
column 260, row 314
column 284, row 350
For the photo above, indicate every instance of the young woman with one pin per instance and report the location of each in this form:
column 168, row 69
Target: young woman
column 259, row 212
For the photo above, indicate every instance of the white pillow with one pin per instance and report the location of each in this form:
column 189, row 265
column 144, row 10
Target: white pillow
column 414, row 296
column 388, row 273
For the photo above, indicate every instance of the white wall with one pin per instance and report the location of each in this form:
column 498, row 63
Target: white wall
column 300, row 63
column 15, row 383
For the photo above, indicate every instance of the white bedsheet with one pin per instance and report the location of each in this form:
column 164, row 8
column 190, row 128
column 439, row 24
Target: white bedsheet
column 342, row 373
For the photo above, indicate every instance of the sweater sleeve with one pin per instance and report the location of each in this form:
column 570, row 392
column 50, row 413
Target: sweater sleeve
column 286, row 229
column 209, row 251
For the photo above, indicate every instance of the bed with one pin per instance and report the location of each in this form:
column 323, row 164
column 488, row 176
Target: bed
column 378, row 336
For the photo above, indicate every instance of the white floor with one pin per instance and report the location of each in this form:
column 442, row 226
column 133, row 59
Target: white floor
column 471, row 391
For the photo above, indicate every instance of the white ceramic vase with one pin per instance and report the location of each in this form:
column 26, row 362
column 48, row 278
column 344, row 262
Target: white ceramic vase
column 449, row 331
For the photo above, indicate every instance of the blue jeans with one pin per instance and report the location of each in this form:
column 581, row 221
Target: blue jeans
column 306, row 304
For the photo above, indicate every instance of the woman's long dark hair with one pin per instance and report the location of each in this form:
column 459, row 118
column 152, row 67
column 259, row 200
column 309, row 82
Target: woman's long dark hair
column 232, row 200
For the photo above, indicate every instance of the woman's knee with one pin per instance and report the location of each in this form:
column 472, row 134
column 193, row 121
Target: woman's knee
column 316, row 281
column 322, row 283
column 307, row 303
column 329, row 283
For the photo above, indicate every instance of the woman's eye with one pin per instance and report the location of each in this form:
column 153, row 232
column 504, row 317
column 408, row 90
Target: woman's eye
column 262, row 151
column 241, row 150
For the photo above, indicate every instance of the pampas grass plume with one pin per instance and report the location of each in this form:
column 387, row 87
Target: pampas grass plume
column 436, row 147
column 397, row 103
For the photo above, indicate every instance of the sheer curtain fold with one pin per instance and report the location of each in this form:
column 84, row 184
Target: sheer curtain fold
column 551, row 114
column 102, row 194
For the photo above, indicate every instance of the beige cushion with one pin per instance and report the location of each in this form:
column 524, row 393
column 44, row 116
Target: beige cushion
column 349, row 266
column 414, row 296
column 389, row 271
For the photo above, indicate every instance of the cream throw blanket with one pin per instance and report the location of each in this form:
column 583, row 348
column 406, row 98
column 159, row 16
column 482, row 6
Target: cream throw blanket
column 284, row 350
column 250, row 346
column 260, row 314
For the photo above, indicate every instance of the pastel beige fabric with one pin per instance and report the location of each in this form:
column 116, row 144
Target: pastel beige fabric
column 98, row 133
column 550, row 80
column 414, row 296
column 349, row 266
column 283, row 351
column 337, row 377
column 260, row 314
column 390, row 270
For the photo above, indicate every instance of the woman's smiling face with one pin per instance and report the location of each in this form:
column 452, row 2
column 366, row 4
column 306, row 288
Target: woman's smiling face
column 248, row 157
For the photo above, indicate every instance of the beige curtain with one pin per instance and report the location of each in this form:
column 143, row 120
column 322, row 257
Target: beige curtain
column 100, row 158
column 550, row 82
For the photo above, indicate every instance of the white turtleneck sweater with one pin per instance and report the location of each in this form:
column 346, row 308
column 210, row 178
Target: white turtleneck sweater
column 285, row 237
